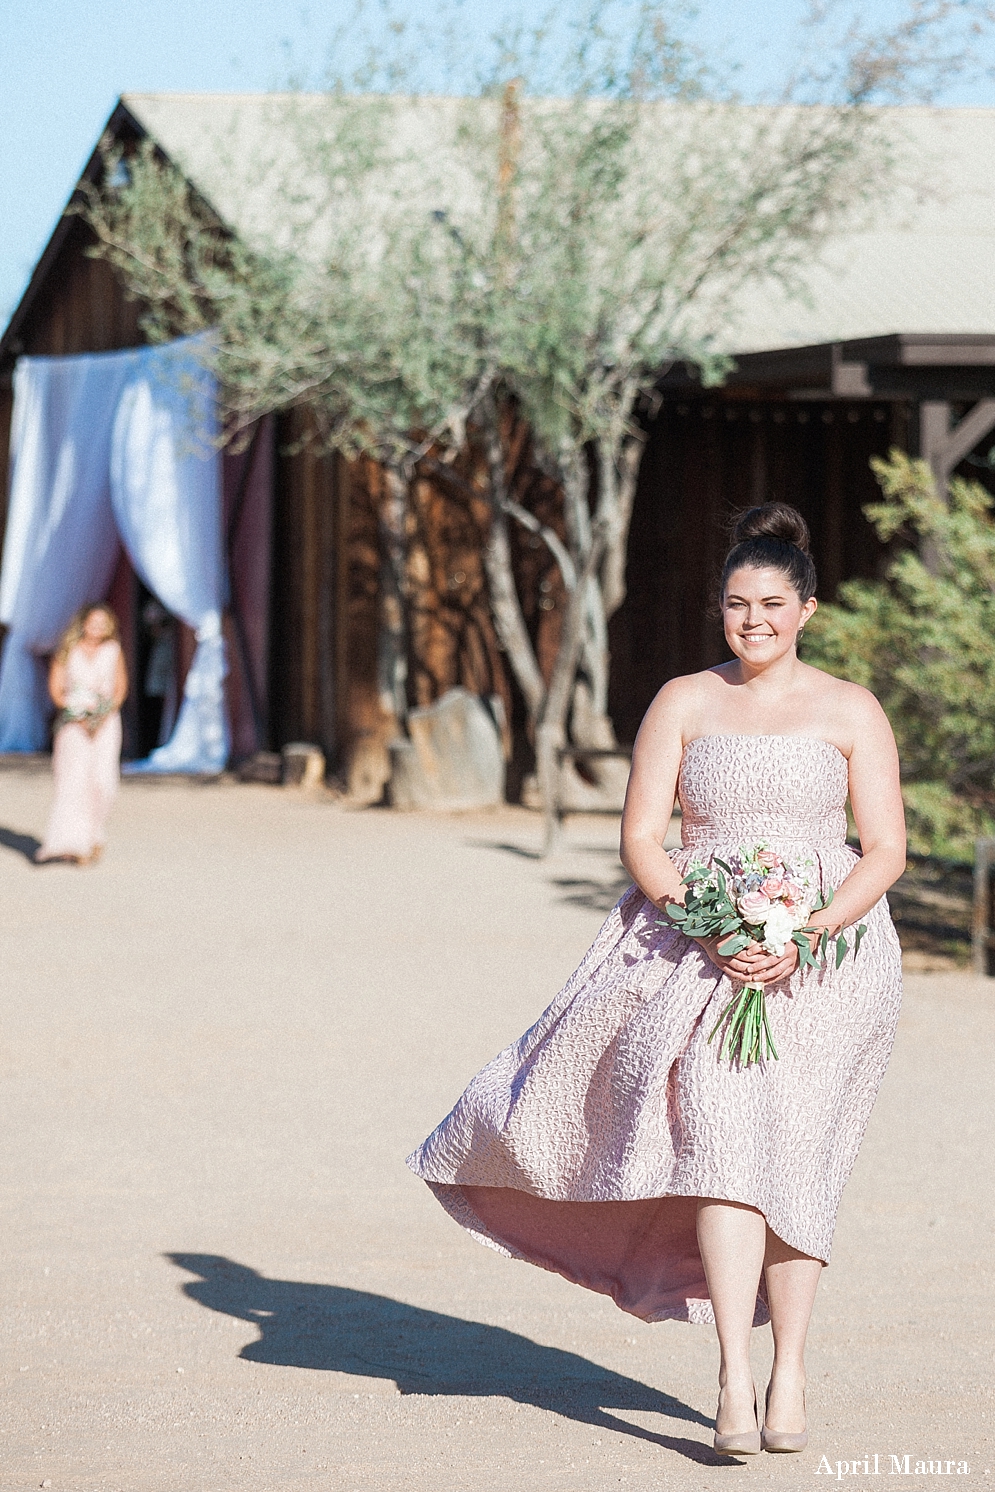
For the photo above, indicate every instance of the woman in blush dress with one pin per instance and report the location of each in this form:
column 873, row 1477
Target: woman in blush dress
column 88, row 683
column 615, row 1143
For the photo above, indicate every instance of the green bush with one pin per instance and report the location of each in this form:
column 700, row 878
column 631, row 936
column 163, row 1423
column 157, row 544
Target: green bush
column 923, row 639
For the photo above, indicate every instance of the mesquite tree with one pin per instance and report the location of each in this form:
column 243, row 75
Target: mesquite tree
column 616, row 229
column 346, row 329
column 430, row 262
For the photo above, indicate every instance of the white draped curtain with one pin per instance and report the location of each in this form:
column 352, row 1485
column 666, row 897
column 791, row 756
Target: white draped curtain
column 112, row 448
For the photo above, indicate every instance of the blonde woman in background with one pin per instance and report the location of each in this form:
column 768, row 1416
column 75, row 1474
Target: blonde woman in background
column 88, row 683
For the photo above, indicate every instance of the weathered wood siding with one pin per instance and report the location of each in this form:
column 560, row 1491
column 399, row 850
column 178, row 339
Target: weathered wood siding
column 82, row 309
column 305, row 682
column 707, row 459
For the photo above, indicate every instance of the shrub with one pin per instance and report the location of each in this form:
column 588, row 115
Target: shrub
column 923, row 639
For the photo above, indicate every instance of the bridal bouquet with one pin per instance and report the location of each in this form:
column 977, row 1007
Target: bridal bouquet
column 762, row 899
column 87, row 708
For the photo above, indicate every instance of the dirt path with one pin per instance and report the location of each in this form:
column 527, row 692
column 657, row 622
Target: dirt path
column 215, row 1050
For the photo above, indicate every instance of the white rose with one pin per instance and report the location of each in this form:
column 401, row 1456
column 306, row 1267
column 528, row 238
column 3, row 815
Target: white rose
column 800, row 916
column 779, row 924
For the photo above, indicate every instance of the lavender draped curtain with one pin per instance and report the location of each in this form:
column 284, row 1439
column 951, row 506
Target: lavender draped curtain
column 112, row 448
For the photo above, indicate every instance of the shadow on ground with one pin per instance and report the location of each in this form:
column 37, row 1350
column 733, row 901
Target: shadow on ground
column 931, row 905
column 589, row 892
column 594, row 896
column 22, row 844
column 334, row 1329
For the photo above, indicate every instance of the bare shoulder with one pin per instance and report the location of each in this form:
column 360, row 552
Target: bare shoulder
column 854, row 713
column 677, row 700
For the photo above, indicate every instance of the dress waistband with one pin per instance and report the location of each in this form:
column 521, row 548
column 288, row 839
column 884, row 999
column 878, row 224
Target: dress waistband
column 713, row 837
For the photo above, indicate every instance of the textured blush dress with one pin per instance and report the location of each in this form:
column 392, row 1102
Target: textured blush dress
column 582, row 1147
column 85, row 769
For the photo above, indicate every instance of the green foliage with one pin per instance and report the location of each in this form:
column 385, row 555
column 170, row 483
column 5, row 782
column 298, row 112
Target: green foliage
column 400, row 265
column 412, row 253
column 349, row 331
column 923, row 639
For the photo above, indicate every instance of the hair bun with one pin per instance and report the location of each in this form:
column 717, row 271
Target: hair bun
column 773, row 521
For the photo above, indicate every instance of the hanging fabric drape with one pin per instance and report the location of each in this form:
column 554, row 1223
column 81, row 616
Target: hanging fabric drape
column 166, row 495
column 61, row 543
column 106, row 448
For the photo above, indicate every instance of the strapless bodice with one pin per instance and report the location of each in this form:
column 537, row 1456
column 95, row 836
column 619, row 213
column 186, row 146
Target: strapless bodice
column 787, row 790
column 93, row 672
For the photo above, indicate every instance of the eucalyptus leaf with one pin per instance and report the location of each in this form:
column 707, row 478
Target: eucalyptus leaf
column 729, row 947
column 841, row 949
column 804, row 947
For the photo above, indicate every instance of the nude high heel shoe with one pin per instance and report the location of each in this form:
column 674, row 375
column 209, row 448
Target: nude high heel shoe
column 782, row 1442
column 741, row 1442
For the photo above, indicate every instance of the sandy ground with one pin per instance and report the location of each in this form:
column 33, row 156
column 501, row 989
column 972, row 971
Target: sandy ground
column 216, row 1049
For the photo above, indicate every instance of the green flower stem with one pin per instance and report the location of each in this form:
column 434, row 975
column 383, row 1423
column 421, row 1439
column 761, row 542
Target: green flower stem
column 747, row 1037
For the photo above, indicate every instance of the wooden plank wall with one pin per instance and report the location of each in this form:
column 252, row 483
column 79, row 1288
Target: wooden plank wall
column 82, row 309
column 247, row 512
column 304, row 684
column 705, row 460
column 326, row 590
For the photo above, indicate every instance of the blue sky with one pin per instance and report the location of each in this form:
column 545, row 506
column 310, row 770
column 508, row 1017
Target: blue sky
column 64, row 63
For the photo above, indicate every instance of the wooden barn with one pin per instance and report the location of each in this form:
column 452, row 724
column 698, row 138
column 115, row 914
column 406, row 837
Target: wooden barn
column 894, row 345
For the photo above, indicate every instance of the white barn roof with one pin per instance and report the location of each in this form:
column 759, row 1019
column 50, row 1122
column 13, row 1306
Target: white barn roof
column 926, row 263
column 923, row 266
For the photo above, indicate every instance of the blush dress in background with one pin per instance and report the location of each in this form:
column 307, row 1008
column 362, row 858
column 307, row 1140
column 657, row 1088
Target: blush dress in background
column 85, row 769
column 583, row 1146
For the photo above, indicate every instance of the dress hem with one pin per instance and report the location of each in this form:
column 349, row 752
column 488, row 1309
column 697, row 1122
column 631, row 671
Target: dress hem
column 696, row 1310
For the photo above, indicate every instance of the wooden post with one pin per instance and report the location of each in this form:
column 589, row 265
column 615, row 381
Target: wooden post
column 981, row 930
column 392, row 642
column 943, row 447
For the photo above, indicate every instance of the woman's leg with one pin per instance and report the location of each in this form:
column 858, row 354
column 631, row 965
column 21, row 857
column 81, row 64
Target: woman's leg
column 732, row 1238
column 792, row 1280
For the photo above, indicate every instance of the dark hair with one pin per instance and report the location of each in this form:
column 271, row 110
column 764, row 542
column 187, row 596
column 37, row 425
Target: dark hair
column 772, row 537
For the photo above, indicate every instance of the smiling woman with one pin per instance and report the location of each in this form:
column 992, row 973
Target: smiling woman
column 615, row 1143
column 771, row 540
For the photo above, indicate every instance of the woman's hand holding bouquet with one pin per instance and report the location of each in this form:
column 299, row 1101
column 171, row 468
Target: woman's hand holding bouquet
column 87, row 708
column 754, row 919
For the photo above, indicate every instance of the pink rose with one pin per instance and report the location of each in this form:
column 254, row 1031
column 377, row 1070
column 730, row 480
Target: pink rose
column 793, row 893
column 769, row 859
column 754, row 906
column 773, row 886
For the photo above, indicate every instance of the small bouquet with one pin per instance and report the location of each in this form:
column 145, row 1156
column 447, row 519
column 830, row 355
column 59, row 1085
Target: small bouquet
column 758, row 899
column 87, row 708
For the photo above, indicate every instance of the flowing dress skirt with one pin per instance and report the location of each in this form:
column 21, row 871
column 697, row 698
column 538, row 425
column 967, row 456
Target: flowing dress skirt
column 85, row 773
column 583, row 1146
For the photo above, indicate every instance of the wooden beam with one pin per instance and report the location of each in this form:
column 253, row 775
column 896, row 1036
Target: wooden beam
column 943, row 447
column 972, row 428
